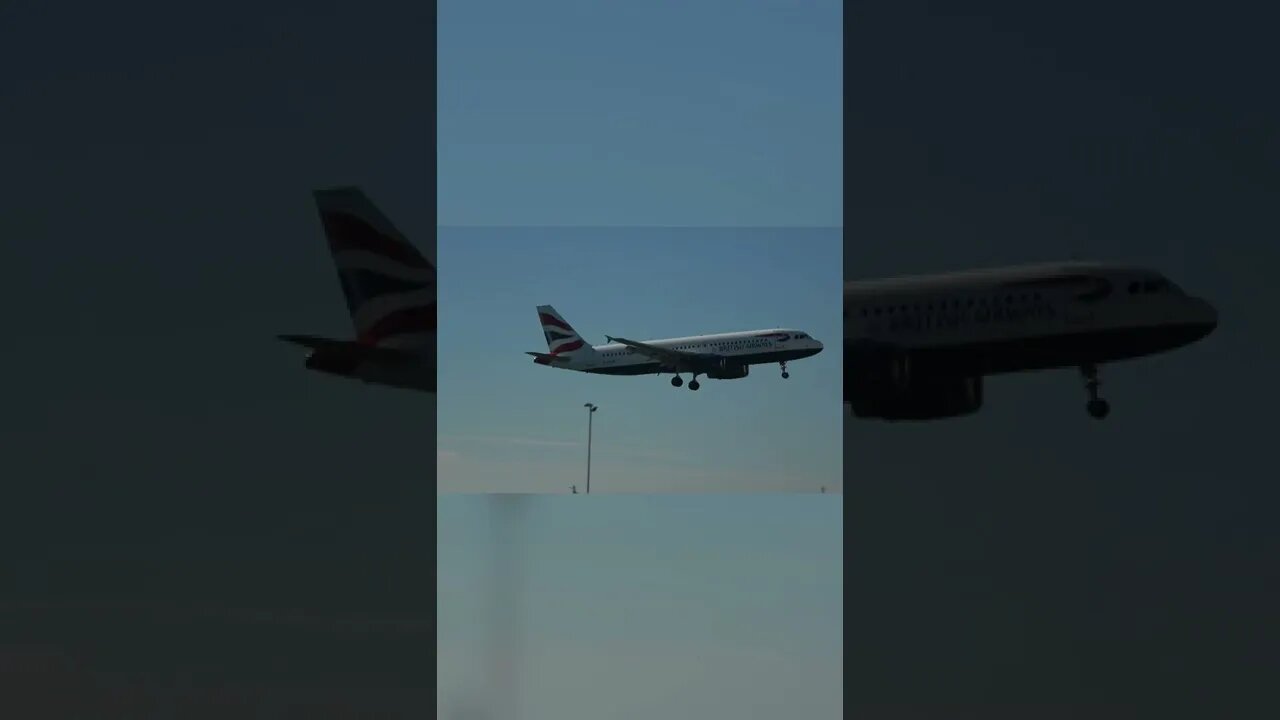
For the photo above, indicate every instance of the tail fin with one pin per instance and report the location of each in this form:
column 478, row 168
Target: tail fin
column 562, row 339
column 389, row 286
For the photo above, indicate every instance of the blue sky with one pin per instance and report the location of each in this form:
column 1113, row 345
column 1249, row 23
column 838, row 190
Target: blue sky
column 508, row 425
column 733, row 609
column 640, row 117
column 716, row 112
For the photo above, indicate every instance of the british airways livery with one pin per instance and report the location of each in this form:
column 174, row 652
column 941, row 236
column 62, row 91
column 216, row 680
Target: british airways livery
column 390, row 289
column 724, row 356
column 918, row 348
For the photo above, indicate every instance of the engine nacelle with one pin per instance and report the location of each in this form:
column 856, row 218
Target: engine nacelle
column 888, row 384
column 930, row 398
column 875, row 365
column 728, row 370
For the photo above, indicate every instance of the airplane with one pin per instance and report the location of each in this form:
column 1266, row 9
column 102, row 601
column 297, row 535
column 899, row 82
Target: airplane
column 390, row 289
column 918, row 348
column 725, row 356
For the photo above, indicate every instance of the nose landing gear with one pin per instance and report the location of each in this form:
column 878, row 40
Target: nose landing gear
column 785, row 374
column 1097, row 407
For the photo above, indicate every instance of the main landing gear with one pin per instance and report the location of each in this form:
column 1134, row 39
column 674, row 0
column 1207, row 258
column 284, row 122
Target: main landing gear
column 1097, row 407
column 693, row 383
column 785, row 374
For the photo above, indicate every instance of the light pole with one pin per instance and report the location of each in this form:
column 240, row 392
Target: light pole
column 591, row 409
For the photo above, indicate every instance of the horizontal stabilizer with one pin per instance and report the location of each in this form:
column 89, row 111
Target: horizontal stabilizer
column 350, row 348
column 545, row 359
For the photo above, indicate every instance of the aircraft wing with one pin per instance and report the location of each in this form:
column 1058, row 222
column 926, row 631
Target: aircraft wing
column 671, row 358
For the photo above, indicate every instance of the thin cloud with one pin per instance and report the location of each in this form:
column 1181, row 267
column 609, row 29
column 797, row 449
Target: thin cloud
column 536, row 442
column 639, row 453
column 642, row 454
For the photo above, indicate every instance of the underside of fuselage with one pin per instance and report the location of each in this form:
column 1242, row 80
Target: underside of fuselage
column 1067, row 350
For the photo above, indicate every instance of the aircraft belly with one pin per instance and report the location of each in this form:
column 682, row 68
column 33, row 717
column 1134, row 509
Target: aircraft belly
column 1070, row 348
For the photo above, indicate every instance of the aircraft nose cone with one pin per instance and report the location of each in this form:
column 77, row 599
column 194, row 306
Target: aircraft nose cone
column 1209, row 315
column 1203, row 318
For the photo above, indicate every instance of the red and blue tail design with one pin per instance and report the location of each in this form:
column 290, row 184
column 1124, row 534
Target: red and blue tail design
column 390, row 288
column 562, row 339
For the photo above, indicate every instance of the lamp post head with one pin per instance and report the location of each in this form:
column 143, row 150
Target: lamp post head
column 589, row 405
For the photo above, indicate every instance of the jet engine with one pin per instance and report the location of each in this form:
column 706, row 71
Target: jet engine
column 886, row 383
column 727, row 369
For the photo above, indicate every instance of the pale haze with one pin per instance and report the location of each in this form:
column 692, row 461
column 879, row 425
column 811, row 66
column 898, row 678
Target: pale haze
column 573, row 608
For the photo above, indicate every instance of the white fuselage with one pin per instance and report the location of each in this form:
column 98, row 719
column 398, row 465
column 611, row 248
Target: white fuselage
column 1122, row 309
column 752, row 347
column 918, row 348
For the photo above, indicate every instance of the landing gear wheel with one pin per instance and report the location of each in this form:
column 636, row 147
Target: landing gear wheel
column 676, row 381
column 1099, row 408
column 694, row 385
column 785, row 374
